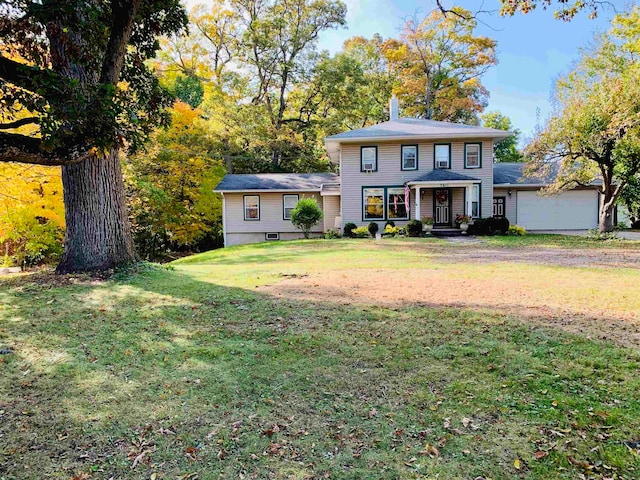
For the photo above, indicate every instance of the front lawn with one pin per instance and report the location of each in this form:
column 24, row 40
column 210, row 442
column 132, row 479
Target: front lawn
column 247, row 363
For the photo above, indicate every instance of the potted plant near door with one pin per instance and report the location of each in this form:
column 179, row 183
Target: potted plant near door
column 463, row 222
column 427, row 224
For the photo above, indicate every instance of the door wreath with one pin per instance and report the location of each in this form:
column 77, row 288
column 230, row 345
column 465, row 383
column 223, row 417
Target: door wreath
column 442, row 196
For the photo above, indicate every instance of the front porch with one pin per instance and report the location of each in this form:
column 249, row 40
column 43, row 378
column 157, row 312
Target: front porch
column 443, row 195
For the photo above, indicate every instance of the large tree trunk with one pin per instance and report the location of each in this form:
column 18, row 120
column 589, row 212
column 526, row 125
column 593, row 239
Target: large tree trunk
column 607, row 211
column 98, row 235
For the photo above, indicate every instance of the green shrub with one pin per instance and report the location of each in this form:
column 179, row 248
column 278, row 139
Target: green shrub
column 391, row 230
column 360, row 232
column 414, row 228
column 331, row 234
column 516, row 231
column 594, row 234
column 32, row 241
column 489, row 226
column 305, row 215
column 348, row 229
column 373, row 228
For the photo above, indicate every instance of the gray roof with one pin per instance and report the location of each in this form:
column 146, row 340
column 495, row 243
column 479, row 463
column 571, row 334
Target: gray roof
column 275, row 181
column 512, row 173
column 418, row 128
column 442, row 175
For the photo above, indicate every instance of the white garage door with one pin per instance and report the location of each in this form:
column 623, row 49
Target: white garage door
column 576, row 210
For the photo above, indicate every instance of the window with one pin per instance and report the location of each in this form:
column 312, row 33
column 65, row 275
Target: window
column 498, row 207
column 252, row 207
column 271, row 236
column 368, row 159
column 472, row 155
column 373, row 203
column 475, row 201
column 288, row 204
column 409, row 157
column 396, row 204
column 442, row 155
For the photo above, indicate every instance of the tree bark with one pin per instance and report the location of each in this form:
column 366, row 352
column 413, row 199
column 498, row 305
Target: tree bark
column 607, row 210
column 98, row 235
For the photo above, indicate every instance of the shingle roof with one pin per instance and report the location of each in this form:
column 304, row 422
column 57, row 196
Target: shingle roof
column 275, row 181
column 512, row 173
column 441, row 175
column 418, row 127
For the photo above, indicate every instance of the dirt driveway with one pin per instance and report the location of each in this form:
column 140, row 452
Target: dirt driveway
column 546, row 286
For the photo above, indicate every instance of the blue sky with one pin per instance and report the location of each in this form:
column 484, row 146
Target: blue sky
column 533, row 49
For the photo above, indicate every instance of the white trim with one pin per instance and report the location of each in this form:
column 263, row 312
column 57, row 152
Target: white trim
column 417, row 217
column 273, row 190
column 443, row 183
column 224, row 220
column 440, row 136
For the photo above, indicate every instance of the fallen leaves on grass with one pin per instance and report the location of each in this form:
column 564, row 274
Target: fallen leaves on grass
column 430, row 450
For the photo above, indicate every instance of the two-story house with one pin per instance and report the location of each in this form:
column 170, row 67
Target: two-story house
column 397, row 170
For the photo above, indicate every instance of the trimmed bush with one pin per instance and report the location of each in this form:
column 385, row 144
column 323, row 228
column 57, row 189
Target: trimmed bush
column 389, row 222
column 489, row 226
column 516, row 231
column 306, row 214
column 414, row 228
column 331, row 234
column 348, row 230
column 373, row 228
column 361, row 232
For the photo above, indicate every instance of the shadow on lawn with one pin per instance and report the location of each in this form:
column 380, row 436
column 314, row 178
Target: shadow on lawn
column 162, row 373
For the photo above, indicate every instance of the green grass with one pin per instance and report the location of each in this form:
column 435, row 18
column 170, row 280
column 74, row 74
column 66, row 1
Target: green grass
column 566, row 241
column 194, row 371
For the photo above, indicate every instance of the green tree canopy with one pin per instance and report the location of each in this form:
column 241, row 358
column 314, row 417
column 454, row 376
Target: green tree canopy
column 507, row 149
column 79, row 69
column 595, row 134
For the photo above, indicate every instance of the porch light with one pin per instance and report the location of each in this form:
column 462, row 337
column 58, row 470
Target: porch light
column 509, row 192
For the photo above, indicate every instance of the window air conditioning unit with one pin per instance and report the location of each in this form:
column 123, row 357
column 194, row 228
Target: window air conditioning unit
column 368, row 167
column 442, row 164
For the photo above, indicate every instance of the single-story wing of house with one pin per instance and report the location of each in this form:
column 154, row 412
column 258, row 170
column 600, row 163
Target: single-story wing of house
column 398, row 170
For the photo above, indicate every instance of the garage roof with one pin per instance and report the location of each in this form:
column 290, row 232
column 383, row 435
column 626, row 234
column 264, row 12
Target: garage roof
column 276, row 181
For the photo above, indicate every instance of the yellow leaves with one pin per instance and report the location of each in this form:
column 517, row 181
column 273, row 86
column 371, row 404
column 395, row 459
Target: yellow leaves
column 517, row 464
column 430, row 450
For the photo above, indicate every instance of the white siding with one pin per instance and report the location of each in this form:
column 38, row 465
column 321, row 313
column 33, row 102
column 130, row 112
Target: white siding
column 390, row 174
column 271, row 214
column 331, row 210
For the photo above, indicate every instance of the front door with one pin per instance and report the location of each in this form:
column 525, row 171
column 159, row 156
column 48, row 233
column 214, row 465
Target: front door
column 498, row 207
column 442, row 206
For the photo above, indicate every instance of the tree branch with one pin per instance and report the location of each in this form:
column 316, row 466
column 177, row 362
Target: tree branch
column 26, row 77
column 18, row 123
column 15, row 147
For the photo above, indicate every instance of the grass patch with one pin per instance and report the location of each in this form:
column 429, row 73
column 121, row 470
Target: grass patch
column 190, row 370
column 564, row 241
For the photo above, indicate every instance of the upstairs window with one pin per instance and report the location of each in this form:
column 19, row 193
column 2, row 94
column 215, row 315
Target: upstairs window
column 442, row 155
column 252, row 207
column 288, row 203
column 409, row 157
column 368, row 159
column 472, row 155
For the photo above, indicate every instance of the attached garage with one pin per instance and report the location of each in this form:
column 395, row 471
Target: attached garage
column 574, row 210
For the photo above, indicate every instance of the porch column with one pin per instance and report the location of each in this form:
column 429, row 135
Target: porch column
column 417, row 215
column 469, row 201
